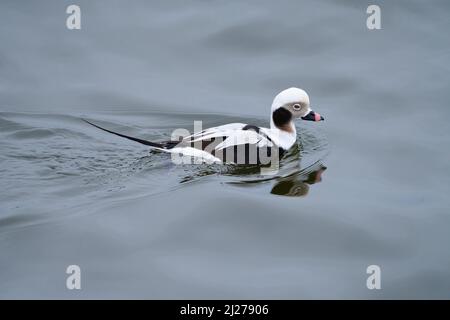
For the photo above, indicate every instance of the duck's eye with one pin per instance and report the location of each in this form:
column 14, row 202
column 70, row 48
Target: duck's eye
column 297, row 107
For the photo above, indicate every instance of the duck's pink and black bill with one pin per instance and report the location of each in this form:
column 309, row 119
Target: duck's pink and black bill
column 313, row 116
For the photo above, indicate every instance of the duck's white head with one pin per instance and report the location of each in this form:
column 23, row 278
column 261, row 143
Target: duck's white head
column 288, row 105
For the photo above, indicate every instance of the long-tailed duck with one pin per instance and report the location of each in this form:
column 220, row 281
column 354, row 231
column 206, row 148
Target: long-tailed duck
column 242, row 143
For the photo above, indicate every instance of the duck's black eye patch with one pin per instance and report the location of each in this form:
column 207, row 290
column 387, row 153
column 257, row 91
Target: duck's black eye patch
column 281, row 116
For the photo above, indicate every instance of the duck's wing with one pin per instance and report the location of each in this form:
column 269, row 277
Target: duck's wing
column 215, row 132
column 232, row 134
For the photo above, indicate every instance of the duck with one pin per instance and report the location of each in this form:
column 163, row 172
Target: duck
column 240, row 143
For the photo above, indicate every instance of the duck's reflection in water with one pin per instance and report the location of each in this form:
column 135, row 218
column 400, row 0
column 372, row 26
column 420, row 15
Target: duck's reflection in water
column 287, row 179
column 297, row 185
column 291, row 180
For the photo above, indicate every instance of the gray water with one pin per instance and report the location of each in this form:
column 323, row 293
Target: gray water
column 369, row 185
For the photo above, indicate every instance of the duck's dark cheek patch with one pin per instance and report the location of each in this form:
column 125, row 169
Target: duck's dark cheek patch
column 281, row 117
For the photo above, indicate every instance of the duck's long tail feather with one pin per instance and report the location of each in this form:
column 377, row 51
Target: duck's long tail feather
column 146, row 142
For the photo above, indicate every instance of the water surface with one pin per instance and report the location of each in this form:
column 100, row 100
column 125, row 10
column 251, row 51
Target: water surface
column 367, row 186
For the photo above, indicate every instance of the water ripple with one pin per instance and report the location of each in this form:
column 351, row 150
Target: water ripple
column 55, row 162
